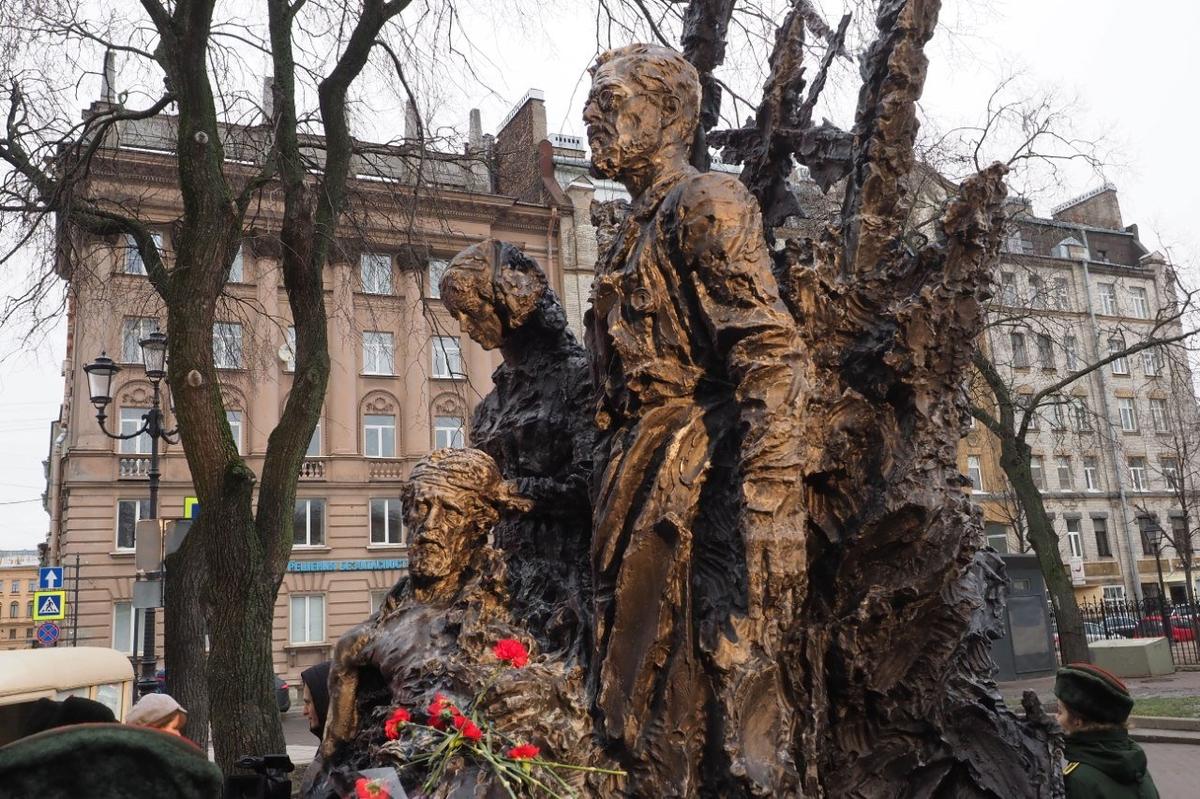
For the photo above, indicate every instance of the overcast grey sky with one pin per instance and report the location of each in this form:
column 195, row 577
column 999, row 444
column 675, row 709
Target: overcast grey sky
column 1132, row 72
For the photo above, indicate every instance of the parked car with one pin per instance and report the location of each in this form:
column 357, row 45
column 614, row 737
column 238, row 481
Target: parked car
column 1119, row 625
column 1152, row 626
column 283, row 698
column 1093, row 630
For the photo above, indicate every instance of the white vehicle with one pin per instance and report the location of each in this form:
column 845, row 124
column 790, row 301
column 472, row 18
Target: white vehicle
column 27, row 675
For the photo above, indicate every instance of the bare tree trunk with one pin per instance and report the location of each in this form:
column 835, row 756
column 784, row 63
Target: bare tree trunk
column 185, row 627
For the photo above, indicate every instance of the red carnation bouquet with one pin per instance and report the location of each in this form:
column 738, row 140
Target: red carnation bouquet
column 453, row 732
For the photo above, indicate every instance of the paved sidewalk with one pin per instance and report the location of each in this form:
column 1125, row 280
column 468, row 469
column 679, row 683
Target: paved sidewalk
column 1181, row 683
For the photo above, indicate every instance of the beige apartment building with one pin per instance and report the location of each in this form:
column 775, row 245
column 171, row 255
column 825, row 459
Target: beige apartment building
column 18, row 581
column 404, row 382
column 1070, row 290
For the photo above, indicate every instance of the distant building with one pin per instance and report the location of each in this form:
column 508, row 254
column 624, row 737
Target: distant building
column 1071, row 289
column 18, row 581
column 404, row 379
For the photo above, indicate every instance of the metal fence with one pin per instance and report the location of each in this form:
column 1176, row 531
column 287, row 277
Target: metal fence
column 1131, row 619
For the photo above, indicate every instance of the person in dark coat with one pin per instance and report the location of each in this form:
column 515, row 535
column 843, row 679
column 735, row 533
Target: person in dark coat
column 1102, row 761
column 46, row 714
column 316, row 696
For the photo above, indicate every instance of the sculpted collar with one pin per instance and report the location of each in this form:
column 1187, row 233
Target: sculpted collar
column 648, row 203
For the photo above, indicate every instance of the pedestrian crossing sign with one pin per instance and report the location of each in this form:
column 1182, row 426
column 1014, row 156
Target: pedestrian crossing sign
column 49, row 605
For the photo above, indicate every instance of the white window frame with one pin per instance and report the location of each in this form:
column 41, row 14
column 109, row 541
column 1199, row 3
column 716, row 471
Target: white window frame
column 313, row 506
column 1062, row 293
column 1045, row 348
column 1120, row 366
column 1127, row 411
column 1100, row 525
column 1008, row 289
column 227, row 345
column 141, row 510
column 1169, row 467
column 1071, row 349
column 379, row 353
column 1020, row 350
column 133, row 330
column 388, row 537
column 446, row 357
column 307, row 617
column 135, row 619
column 133, row 264
column 381, row 428
column 237, row 428
column 1108, row 299
column 130, row 419
column 1074, row 538
column 375, row 273
column 1037, row 470
column 1139, row 477
column 1082, row 414
column 237, row 269
column 433, row 277
column 314, row 443
column 1160, row 415
column 975, row 473
column 1091, row 473
column 449, row 432
column 1037, row 291
column 1151, row 361
column 289, row 343
column 1141, row 302
column 1064, row 469
column 1114, row 594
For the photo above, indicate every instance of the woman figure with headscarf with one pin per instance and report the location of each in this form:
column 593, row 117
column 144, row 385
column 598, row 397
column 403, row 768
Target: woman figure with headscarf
column 315, row 681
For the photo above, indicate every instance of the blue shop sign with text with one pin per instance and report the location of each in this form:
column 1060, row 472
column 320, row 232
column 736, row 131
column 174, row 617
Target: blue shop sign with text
column 347, row 565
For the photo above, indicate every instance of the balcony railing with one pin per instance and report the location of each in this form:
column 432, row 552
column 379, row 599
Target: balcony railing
column 134, row 468
column 386, row 470
column 312, row 469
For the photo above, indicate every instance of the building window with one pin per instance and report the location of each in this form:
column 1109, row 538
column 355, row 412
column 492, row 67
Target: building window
column 308, row 523
column 1020, row 356
column 1151, row 362
column 1108, row 299
column 1127, row 408
column 376, row 273
column 289, row 350
column 237, row 270
column 1074, row 540
column 1170, row 472
column 16, row 586
column 1066, row 481
column 127, row 623
column 14, row 610
column 31, row 586
column 1058, row 412
column 29, row 608
column 1037, row 472
column 1035, row 422
column 378, row 595
column 133, row 330
column 386, row 525
column 1137, row 474
column 1120, row 366
column 433, row 278
column 134, row 265
column 1008, row 289
column 1114, row 594
column 227, row 345
column 234, row 418
column 1159, row 415
column 379, row 436
column 974, row 472
column 378, row 353
column 131, row 422
column 997, row 536
column 1071, row 348
column 1102, row 548
column 1143, row 524
column 1141, row 308
column 447, row 432
column 308, row 619
column 447, row 357
column 1091, row 473
column 314, row 443
column 1062, row 294
column 1082, row 414
column 129, row 513
column 1045, row 352
column 1037, row 292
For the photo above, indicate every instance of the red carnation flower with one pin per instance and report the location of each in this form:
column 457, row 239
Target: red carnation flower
column 470, row 731
column 370, row 789
column 524, row 752
column 440, row 711
column 391, row 727
column 511, row 651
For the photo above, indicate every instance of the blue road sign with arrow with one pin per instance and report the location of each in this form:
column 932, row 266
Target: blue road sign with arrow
column 50, row 578
column 47, row 634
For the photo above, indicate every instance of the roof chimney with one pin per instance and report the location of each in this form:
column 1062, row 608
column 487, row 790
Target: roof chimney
column 475, row 136
column 412, row 122
column 108, row 81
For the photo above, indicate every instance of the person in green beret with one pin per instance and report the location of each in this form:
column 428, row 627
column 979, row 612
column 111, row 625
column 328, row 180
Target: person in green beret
column 1103, row 762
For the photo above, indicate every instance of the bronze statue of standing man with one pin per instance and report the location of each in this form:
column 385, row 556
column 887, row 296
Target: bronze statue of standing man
column 698, row 546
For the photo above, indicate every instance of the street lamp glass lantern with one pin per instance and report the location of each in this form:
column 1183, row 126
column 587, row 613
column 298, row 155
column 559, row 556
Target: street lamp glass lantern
column 100, row 373
column 154, row 355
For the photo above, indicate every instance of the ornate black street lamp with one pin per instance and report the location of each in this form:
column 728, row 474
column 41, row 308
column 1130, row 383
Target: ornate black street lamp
column 100, row 375
column 1157, row 535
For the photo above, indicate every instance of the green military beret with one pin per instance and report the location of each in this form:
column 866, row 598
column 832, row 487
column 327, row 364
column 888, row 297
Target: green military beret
column 1093, row 693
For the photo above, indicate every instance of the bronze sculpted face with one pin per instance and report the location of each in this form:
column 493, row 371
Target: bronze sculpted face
column 452, row 500
column 488, row 292
column 641, row 111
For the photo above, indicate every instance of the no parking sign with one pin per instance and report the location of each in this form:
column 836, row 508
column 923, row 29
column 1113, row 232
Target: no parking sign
column 47, row 633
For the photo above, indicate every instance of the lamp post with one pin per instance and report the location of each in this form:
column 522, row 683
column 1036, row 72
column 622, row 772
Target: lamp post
column 1156, row 534
column 100, row 374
